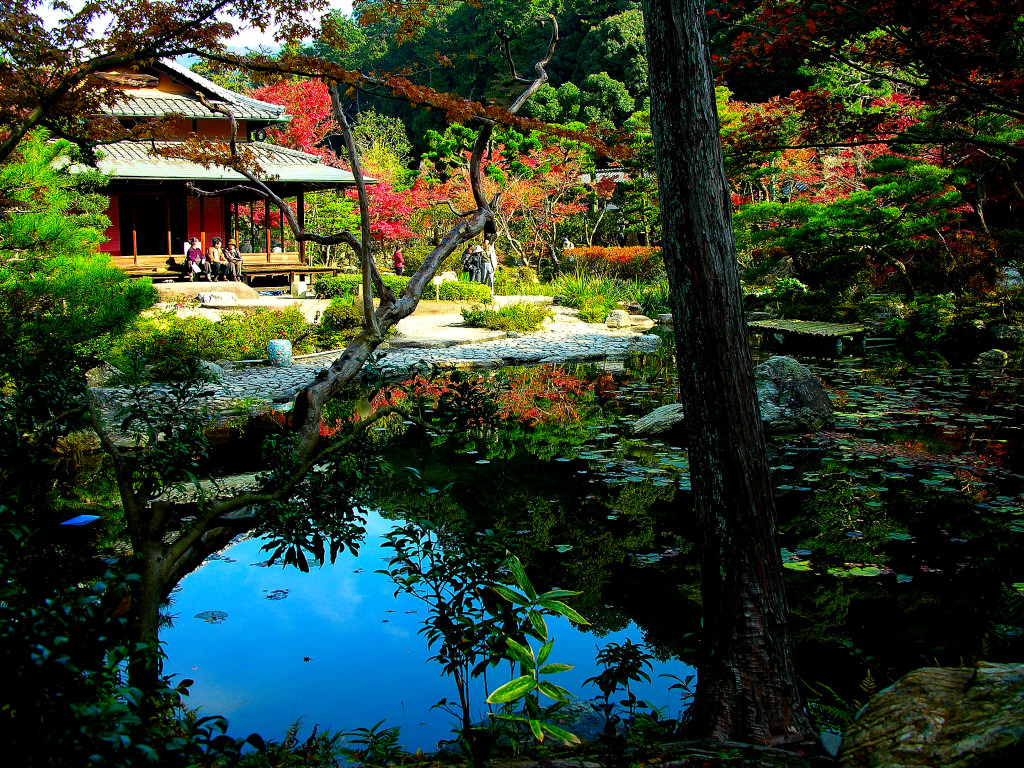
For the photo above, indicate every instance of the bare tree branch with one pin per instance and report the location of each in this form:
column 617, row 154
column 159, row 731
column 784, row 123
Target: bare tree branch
column 453, row 210
column 366, row 254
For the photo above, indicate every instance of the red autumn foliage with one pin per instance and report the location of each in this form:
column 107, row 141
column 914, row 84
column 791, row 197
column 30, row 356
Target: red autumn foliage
column 632, row 263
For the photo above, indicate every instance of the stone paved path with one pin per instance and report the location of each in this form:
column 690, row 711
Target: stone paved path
column 566, row 340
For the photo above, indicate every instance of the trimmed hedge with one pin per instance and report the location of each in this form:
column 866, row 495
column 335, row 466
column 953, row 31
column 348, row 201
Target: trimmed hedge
column 522, row 316
column 460, row 290
column 345, row 285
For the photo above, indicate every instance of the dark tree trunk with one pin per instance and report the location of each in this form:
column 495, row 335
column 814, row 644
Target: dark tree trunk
column 144, row 666
column 747, row 689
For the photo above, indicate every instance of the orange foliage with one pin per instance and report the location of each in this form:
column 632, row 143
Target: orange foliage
column 636, row 262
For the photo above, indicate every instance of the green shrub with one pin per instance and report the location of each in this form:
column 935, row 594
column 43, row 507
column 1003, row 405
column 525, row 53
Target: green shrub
column 593, row 311
column 654, row 299
column 515, row 281
column 414, row 256
column 345, row 285
column 593, row 296
column 460, row 290
column 166, row 341
column 522, row 316
column 248, row 334
column 341, row 322
column 924, row 322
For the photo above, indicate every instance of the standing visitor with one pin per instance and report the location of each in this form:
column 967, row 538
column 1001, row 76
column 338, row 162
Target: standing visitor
column 476, row 264
column 490, row 266
column 399, row 262
column 234, row 261
column 467, row 257
column 620, row 237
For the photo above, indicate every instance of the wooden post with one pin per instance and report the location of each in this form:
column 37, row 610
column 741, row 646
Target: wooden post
column 302, row 224
column 202, row 223
column 135, row 236
column 170, row 242
column 266, row 225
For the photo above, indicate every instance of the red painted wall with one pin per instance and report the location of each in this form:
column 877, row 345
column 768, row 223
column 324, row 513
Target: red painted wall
column 113, row 232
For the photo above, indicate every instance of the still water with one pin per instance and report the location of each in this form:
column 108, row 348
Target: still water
column 337, row 648
column 902, row 528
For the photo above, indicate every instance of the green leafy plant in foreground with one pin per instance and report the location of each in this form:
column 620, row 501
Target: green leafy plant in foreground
column 529, row 685
column 374, row 746
column 623, row 664
column 522, row 317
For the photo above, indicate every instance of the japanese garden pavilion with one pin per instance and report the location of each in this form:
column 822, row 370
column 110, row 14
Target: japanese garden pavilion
column 152, row 211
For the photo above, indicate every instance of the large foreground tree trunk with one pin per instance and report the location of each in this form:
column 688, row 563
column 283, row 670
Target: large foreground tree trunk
column 747, row 689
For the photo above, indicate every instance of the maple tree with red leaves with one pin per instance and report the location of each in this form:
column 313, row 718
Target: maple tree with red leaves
column 312, row 123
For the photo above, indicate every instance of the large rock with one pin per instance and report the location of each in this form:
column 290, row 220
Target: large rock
column 792, row 398
column 100, row 375
column 184, row 291
column 618, row 318
column 218, row 299
column 993, row 358
column 1008, row 334
column 937, row 717
column 641, row 321
column 659, row 421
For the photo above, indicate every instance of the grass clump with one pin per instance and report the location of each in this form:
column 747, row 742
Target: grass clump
column 593, row 296
column 522, row 317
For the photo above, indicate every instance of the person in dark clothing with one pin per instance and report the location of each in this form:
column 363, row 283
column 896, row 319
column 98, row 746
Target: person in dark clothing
column 195, row 261
column 234, row 261
column 246, row 247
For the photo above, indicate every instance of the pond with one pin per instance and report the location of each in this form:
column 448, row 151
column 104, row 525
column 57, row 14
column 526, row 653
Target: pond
column 267, row 646
column 902, row 531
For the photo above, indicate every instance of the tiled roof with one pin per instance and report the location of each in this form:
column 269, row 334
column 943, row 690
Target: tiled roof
column 131, row 160
column 149, row 103
column 153, row 103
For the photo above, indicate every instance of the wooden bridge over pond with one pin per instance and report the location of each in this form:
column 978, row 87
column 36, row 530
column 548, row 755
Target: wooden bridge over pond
column 813, row 333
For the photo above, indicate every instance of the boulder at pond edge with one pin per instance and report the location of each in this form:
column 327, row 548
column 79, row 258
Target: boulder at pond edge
column 932, row 717
column 792, row 398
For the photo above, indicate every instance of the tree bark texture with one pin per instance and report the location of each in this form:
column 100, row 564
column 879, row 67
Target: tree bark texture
column 747, row 689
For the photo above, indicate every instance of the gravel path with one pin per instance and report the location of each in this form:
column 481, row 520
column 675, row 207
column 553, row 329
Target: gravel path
column 443, row 341
column 565, row 340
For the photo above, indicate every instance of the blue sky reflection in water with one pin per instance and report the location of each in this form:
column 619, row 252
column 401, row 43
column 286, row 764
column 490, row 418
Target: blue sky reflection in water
column 366, row 661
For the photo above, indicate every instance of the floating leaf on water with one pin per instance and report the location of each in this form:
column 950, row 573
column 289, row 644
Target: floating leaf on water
column 797, row 566
column 212, row 617
column 854, row 535
column 784, row 487
column 562, row 547
column 802, row 552
column 277, row 594
column 562, row 458
column 483, row 461
column 903, row 578
column 1008, row 630
column 900, row 537
column 858, row 570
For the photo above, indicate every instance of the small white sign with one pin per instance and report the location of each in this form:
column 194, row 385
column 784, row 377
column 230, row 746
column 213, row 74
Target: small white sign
column 437, row 280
